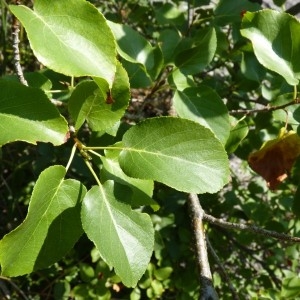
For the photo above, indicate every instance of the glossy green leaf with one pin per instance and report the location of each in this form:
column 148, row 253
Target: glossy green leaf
column 34, row 79
column 196, row 58
column 70, row 37
column 27, row 115
column 141, row 189
column 276, row 42
column 251, row 68
column 51, row 228
column 231, row 11
column 138, row 76
column 94, row 103
column 169, row 39
column 124, row 237
column 177, row 152
column 238, row 132
column 181, row 81
column 203, row 105
column 134, row 48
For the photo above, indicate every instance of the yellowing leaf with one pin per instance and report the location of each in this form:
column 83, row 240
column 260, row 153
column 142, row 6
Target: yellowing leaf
column 276, row 157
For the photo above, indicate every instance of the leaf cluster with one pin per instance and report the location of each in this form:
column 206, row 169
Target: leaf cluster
column 130, row 106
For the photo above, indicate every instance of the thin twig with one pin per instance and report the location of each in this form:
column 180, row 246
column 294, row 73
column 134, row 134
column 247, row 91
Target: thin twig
column 57, row 102
column 251, row 228
column 294, row 10
column 207, row 290
column 223, row 272
column 16, row 51
column 14, row 286
column 252, row 253
column 264, row 109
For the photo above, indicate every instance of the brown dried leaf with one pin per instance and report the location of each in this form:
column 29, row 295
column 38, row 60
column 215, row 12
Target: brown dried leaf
column 276, row 157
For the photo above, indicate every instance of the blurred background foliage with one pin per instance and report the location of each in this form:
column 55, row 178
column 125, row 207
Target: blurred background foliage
column 258, row 268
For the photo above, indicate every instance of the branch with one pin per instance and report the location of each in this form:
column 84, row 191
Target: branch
column 294, row 10
column 264, row 109
column 223, row 272
column 16, row 51
column 207, row 290
column 14, row 286
column 250, row 228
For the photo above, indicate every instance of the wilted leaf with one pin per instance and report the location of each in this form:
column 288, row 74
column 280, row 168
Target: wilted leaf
column 276, row 157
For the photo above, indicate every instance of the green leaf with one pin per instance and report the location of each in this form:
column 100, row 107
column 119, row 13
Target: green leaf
column 124, row 237
column 181, row 81
column 138, row 76
column 289, row 114
column 51, row 228
column 102, row 109
column 177, row 152
column 196, row 58
column 34, row 79
column 276, row 42
column 136, row 49
column 163, row 273
column 142, row 190
column 251, row 68
column 230, row 11
column 296, row 203
column 171, row 14
column 290, row 287
column 27, row 115
column 169, row 40
column 70, row 37
column 203, row 105
column 238, row 132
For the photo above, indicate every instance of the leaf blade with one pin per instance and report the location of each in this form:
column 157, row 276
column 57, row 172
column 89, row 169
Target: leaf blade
column 60, row 40
column 51, row 228
column 124, row 237
column 89, row 101
column 275, row 41
column 195, row 59
column 177, row 152
column 203, row 105
column 22, row 118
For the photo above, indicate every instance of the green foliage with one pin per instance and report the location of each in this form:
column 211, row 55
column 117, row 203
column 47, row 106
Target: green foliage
column 23, row 120
column 130, row 106
column 203, row 105
column 80, row 52
column 100, row 107
column 51, row 228
column 123, row 237
column 192, row 151
column 275, row 41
